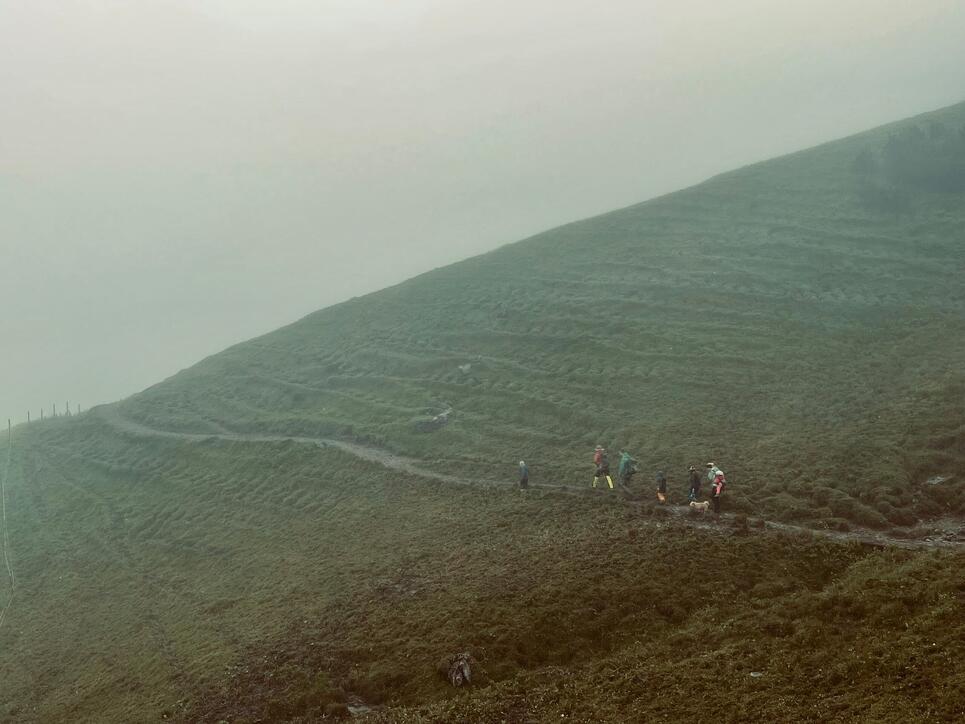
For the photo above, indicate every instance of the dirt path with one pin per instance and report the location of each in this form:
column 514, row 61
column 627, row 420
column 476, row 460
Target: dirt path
column 951, row 535
column 371, row 454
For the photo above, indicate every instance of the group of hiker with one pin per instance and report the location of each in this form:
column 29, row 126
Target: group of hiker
column 717, row 479
column 628, row 467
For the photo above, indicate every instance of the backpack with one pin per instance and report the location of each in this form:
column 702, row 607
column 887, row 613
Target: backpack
column 720, row 480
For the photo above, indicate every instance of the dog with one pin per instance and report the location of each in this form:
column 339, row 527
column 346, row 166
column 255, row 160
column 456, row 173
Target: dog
column 702, row 507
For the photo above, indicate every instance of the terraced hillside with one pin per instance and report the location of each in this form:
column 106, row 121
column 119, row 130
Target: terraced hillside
column 294, row 529
column 228, row 580
column 802, row 321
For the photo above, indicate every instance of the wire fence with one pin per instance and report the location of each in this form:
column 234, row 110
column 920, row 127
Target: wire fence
column 5, row 538
column 50, row 413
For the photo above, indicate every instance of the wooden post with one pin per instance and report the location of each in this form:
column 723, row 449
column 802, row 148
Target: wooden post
column 28, row 417
column 54, row 414
column 68, row 408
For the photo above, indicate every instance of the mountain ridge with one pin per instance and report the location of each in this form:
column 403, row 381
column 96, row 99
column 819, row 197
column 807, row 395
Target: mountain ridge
column 943, row 112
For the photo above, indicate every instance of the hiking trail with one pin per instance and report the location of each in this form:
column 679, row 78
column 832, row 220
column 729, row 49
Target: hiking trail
column 953, row 529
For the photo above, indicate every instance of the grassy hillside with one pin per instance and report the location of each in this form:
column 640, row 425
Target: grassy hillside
column 776, row 319
column 253, row 582
column 801, row 321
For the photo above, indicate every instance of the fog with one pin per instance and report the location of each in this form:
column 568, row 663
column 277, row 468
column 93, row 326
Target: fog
column 180, row 175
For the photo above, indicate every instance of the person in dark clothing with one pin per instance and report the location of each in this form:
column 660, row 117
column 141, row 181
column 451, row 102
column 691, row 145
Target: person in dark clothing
column 694, row 484
column 523, row 475
column 661, row 486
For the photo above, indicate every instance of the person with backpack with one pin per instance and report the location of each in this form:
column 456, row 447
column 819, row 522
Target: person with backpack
column 628, row 468
column 523, row 475
column 602, row 463
column 717, row 484
column 661, row 486
column 694, row 484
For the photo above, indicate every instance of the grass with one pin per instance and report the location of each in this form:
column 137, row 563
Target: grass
column 767, row 319
column 146, row 567
column 267, row 582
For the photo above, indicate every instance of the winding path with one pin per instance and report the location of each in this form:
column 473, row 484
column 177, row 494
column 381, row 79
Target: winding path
column 955, row 528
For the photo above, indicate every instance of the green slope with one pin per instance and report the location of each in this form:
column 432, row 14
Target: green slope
column 249, row 582
column 771, row 318
column 801, row 321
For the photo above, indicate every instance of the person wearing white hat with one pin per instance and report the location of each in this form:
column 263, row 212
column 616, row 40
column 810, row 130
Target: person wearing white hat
column 717, row 482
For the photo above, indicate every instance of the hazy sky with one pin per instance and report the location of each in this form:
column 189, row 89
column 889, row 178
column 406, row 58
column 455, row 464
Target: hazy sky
column 180, row 175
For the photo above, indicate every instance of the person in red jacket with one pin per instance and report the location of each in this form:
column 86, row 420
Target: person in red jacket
column 602, row 463
column 717, row 483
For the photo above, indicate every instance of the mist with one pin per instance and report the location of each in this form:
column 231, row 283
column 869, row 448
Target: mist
column 179, row 176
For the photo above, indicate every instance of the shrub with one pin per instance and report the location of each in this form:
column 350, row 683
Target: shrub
column 848, row 507
column 337, row 710
column 896, row 515
column 777, row 627
column 281, row 708
column 839, row 524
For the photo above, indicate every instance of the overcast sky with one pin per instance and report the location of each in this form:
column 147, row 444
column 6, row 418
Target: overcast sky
column 180, row 175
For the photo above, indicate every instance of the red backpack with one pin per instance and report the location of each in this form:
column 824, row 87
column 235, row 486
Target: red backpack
column 720, row 482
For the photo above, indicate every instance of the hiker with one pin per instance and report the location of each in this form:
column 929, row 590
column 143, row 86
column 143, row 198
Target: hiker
column 717, row 483
column 694, row 484
column 628, row 468
column 661, row 486
column 523, row 475
column 602, row 462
